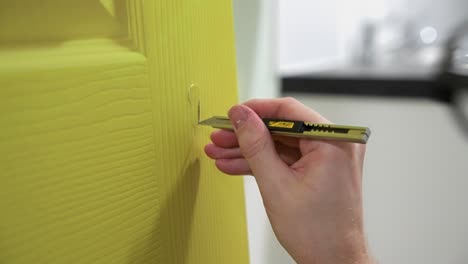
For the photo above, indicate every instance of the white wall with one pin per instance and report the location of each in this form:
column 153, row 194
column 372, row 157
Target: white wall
column 256, row 61
column 308, row 34
column 255, row 43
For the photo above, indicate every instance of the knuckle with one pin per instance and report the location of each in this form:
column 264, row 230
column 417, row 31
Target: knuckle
column 254, row 147
column 287, row 104
column 290, row 100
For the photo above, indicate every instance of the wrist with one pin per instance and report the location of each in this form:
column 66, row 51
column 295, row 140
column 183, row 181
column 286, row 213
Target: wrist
column 353, row 251
column 350, row 249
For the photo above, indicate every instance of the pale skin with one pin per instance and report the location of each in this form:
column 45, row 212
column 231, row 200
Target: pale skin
column 311, row 189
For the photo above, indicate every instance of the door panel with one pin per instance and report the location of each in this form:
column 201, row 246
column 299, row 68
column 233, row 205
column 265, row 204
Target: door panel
column 46, row 20
column 101, row 157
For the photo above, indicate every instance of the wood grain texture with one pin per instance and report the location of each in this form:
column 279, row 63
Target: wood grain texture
column 191, row 43
column 101, row 157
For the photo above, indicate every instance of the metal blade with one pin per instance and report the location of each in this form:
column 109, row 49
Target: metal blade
column 217, row 122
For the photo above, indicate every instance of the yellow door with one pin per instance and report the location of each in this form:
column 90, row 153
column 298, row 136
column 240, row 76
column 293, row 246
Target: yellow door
column 100, row 155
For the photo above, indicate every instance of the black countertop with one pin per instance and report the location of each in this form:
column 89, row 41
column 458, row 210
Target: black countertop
column 369, row 81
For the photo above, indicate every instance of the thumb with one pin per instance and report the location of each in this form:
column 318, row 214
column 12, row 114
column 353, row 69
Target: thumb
column 256, row 144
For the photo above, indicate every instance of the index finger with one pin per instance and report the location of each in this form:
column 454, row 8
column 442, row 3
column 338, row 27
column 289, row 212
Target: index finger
column 285, row 108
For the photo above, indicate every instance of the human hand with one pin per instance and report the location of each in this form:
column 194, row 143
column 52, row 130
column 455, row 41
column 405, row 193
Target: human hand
column 311, row 189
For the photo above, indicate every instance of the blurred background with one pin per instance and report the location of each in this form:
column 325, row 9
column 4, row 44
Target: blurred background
column 399, row 67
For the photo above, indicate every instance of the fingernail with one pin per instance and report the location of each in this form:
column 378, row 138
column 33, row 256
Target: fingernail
column 238, row 116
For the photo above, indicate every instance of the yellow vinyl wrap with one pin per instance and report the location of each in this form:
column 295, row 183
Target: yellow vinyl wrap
column 281, row 124
column 101, row 158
